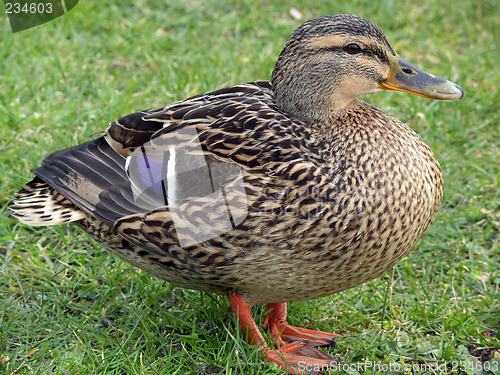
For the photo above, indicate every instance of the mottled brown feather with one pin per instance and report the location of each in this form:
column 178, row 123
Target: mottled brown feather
column 333, row 196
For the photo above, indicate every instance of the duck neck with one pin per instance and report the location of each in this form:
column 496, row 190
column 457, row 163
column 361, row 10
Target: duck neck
column 325, row 123
column 304, row 103
column 326, row 132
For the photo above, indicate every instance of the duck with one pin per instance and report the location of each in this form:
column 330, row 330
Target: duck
column 268, row 192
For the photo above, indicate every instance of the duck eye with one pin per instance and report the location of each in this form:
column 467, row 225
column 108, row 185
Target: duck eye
column 353, row 48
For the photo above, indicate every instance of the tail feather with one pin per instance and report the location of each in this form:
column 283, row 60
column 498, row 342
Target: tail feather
column 38, row 204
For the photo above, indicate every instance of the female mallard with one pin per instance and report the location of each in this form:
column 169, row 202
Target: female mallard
column 267, row 192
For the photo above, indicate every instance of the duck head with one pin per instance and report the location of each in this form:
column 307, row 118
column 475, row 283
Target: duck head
column 329, row 61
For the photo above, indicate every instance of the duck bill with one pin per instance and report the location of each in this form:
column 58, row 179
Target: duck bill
column 405, row 77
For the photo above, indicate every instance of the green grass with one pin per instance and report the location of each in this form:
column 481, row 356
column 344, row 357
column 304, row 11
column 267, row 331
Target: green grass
column 69, row 307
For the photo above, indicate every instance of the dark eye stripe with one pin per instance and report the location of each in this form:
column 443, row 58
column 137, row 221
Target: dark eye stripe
column 332, row 49
column 377, row 52
column 371, row 51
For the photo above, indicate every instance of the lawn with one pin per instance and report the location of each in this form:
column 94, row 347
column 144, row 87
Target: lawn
column 69, row 307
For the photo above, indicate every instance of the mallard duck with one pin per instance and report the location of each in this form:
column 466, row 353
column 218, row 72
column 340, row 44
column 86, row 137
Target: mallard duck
column 267, row 192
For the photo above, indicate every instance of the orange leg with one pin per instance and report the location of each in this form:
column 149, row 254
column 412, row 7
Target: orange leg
column 243, row 314
column 296, row 355
column 282, row 332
